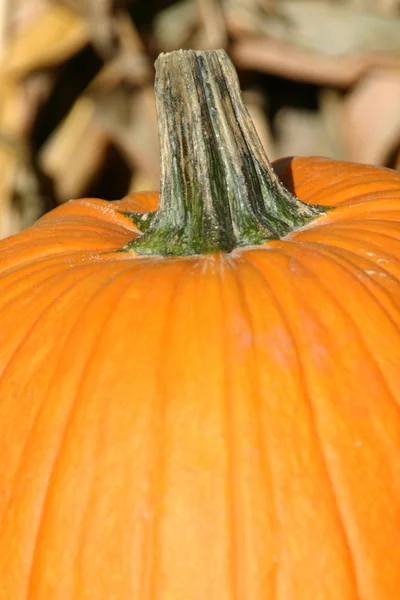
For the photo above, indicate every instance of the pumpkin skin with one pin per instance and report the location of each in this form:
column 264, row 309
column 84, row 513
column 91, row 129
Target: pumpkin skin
column 223, row 426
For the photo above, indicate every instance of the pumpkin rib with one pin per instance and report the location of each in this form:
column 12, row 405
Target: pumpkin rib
column 343, row 228
column 392, row 264
column 57, row 269
column 65, row 256
column 354, row 568
column 370, row 354
column 339, row 194
column 28, row 333
column 353, row 269
column 380, row 195
column 111, row 212
column 350, row 256
column 238, row 300
column 337, row 239
column 338, row 259
column 263, row 441
column 42, row 286
column 378, row 235
column 75, row 397
column 25, row 446
column 345, row 536
column 115, row 220
column 347, row 488
column 54, row 234
column 53, row 260
column 336, row 298
column 96, row 210
column 66, row 449
column 48, row 233
column 281, row 593
column 232, row 492
column 87, row 510
column 343, row 219
column 52, row 266
column 379, row 213
column 48, row 281
column 352, row 183
column 87, row 225
column 35, row 420
column 179, row 443
column 21, row 293
column 388, row 271
column 154, row 530
column 312, row 174
column 264, row 445
column 373, row 226
column 231, row 486
column 386, row 262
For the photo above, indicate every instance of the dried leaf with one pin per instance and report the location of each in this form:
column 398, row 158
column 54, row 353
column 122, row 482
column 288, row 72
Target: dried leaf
column 141, row 181
column 382, row 6
column 322, row 26
column 131, row 122
column 75, row 151
column 11, row 122
column 301, row 133
column 99, row 16
column 130, row 63
column 174, row 26
column 212, row 22
column 255, row 104
column 333, row 44
column 371, row 117
column 9, row 218
column 270, row 56
column 330, row 108
column 52, row 36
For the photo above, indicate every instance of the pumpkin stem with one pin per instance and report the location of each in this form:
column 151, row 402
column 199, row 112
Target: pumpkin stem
column 218, row 188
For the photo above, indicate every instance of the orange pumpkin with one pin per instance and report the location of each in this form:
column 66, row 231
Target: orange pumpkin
column 222, row 425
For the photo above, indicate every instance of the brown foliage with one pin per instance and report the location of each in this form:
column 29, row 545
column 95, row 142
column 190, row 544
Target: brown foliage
column 77, row 112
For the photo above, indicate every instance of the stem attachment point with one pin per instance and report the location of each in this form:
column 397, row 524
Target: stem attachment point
column 218, row 188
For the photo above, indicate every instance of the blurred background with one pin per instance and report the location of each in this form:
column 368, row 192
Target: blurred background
column 77, row 112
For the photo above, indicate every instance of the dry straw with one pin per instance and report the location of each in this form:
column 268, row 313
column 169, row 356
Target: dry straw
column 77, row 112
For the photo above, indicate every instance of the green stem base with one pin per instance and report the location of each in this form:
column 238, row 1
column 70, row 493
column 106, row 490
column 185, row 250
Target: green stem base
column 218, row 188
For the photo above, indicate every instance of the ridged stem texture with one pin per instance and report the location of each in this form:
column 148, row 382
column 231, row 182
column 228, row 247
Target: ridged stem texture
column 218, row 188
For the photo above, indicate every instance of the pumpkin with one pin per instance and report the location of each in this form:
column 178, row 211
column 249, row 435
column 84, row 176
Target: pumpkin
column 200, row 395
